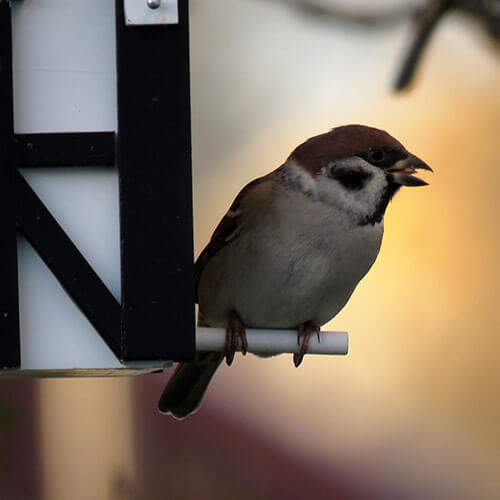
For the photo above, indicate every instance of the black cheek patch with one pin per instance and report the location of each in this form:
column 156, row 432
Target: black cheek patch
column 353, row 180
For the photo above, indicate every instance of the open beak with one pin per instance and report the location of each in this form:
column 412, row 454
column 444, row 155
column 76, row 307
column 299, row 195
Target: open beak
column 402, row 172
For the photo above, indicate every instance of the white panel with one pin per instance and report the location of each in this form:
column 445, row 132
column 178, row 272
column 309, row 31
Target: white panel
column 54, row 333
column 64, row 65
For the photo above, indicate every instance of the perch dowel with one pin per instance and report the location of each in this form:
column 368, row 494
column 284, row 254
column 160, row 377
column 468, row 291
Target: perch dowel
column 274, row 341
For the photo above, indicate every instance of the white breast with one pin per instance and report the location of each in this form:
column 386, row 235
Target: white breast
column 299, row 263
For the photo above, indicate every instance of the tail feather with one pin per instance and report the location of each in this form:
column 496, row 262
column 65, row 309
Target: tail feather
column 188, row 384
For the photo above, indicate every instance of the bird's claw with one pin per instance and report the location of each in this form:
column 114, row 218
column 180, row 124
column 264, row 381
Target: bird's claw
column 304, row 333
column 235, row 333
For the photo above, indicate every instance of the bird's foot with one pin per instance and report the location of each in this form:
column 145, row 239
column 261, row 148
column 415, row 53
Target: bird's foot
column 235, row 332
column 304, row 333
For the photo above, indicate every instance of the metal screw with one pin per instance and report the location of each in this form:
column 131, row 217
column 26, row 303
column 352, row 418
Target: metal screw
column 153, row 4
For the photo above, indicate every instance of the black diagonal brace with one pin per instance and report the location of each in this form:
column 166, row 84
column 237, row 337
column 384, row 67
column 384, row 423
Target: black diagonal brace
column 69, row 266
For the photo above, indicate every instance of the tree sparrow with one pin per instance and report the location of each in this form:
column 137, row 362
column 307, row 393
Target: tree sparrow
column 293, row 246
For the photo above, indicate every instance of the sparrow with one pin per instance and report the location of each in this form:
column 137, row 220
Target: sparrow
column 293, row 246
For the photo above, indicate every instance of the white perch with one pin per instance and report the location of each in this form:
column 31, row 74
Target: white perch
column 274, row 341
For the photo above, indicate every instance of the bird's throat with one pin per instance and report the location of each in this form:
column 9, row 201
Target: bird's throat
column 378, row 214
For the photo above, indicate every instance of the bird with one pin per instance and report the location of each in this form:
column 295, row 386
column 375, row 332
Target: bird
column 293, row 246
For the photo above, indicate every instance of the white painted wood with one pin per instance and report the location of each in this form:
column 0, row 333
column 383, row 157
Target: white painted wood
column 64, row 66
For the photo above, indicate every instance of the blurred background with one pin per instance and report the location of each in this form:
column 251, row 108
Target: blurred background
column 413, row 411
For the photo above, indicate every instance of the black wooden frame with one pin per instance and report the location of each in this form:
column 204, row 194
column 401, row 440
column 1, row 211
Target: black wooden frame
column 152, row 152
column 10, row 352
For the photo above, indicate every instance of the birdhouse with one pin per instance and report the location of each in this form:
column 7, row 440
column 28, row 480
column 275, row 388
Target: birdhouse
column 94, row 118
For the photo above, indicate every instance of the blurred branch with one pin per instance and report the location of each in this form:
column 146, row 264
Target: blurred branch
column 486, row 11
column 426, row 19
column 425, row 23
column 368, row 17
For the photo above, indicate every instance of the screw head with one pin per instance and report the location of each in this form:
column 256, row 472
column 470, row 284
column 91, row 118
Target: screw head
column 153, row 4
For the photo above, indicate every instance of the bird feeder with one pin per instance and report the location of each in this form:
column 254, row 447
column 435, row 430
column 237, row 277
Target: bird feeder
column 100, row 89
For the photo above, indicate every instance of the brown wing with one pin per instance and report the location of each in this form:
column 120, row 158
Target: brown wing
column 225, row 232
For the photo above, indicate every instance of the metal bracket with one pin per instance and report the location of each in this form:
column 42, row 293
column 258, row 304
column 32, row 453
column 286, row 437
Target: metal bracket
column 150, row 12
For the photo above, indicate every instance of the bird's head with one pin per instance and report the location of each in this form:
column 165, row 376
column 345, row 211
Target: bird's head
column 356, row 168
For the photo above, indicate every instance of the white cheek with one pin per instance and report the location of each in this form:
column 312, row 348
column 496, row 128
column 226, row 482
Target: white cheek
column 370, row 195
column 363, row 201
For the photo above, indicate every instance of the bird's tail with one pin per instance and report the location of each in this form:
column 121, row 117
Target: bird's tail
column 188, row 384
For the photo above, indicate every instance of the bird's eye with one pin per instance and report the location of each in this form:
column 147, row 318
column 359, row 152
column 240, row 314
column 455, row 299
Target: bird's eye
column 376, row 154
